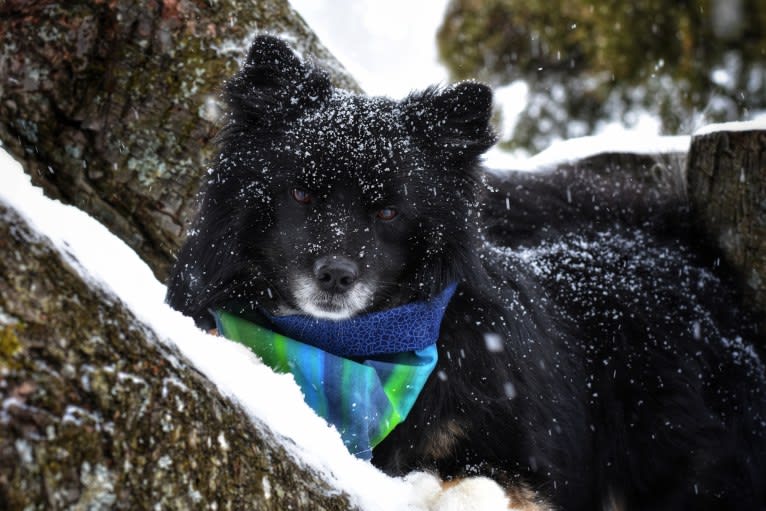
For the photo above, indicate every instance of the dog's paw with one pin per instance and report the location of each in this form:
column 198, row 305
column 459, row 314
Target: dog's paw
column 430, row 493
column 472, row 494
column 426, row 488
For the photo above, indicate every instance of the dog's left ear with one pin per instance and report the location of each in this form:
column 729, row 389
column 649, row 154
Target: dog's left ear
column 274, row 84
column 453, row 122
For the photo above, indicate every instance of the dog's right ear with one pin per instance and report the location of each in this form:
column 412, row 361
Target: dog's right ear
column 274, row 85
column 453, row 122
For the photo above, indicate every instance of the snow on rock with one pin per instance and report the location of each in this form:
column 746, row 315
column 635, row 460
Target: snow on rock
column 105, row 261
column 754, row 125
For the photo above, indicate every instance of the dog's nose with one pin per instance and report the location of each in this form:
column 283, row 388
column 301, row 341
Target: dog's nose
column 335, row 274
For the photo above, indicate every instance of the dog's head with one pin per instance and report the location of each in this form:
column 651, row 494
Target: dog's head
column 329, row 203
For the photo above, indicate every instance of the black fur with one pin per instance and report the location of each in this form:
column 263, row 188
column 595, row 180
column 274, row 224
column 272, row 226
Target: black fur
column 624, row 372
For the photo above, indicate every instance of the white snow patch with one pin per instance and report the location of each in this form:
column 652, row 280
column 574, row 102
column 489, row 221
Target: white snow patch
column 24, row 449
column 174, row 382
column 493, row 342
column 756, row 124
column 274, row 399
column 222, row 441
column 510, row 390
column 75, row 415
column 133, row 378
column 722, row 78
column 266, row 485
column 511, row 100
column 567, row 151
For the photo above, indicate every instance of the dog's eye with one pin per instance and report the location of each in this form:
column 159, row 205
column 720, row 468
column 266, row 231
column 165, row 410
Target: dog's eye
column 300, row 196
column 387, row 214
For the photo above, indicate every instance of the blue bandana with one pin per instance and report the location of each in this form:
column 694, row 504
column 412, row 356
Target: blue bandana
column 364, row 398
column 409, row 327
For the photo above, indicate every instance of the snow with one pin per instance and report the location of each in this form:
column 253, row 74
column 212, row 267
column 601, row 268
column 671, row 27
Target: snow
column 759, row 123
column 231, row 366
column 511, row 100
column 565, row 151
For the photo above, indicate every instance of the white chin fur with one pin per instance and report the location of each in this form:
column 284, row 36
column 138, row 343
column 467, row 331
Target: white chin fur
column 310, row 300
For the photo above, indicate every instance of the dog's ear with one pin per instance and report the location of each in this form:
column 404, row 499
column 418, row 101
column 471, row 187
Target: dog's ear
column 274, row 84
column 453, row 122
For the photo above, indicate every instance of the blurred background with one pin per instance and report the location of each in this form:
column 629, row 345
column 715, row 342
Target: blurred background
column 562, row 68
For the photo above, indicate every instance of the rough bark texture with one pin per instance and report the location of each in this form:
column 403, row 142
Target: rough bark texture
column 95, row 413
column 726, row 176
column 111, row 106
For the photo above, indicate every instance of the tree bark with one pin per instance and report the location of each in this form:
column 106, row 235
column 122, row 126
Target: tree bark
column 96, row 413
column 726, row 176
column 111, row 106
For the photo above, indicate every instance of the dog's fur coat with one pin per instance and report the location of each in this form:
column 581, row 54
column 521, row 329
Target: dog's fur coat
column 605, row 366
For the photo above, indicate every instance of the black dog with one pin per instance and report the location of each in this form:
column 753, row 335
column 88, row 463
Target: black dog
column 604, row 366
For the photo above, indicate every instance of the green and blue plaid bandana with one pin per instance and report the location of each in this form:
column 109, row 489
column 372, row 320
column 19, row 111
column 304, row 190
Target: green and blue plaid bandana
column 364, row 397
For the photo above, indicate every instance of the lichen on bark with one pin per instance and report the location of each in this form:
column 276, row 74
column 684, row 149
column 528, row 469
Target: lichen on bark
column 9, row 345
column 96, row 413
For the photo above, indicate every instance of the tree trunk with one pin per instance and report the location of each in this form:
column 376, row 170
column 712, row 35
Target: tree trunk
column 726, row 176
column 111, row 106
column 96, row 413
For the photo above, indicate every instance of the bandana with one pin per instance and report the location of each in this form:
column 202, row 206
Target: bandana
column 364, row 397
column 409, row 327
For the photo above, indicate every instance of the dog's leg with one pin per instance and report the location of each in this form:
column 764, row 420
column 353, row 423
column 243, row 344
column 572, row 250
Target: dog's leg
column 470, row 494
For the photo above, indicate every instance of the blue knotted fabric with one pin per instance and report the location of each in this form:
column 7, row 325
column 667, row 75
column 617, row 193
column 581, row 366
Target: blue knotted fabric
column 409, row 327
